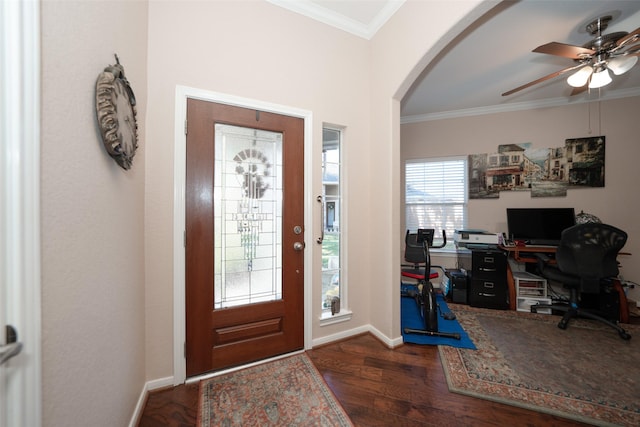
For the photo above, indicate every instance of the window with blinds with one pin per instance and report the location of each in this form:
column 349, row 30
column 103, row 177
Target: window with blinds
column 436, row 195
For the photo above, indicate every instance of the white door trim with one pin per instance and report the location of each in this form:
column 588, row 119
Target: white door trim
column 179, row 177
column 20, row 209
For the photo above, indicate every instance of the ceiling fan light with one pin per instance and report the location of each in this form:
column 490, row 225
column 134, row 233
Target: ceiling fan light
column 580, row 77
column 600, row 79
column 622, row 64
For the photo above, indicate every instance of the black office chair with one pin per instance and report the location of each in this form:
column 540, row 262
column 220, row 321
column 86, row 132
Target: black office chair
column 586, row 263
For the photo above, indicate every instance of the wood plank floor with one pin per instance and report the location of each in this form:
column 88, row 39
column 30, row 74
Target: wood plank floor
column 377, row 386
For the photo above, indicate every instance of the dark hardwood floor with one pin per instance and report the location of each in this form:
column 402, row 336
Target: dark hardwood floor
column 377, row 386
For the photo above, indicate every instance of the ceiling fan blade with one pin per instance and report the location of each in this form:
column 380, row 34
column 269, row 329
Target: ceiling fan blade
column 579, row 90
column 541, row 79
column 632, row 37
column 566, row 50
column 633, row 50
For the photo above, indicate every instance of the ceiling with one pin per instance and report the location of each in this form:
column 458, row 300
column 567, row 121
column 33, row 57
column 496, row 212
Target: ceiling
column 494, row 55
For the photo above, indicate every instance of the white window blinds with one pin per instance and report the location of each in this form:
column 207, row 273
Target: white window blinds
column 436, row 194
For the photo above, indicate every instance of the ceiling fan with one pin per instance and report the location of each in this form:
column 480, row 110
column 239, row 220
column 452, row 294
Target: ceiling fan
column 617, row 52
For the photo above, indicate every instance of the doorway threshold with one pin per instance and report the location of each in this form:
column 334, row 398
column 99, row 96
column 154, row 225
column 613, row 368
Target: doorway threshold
column 208, row 375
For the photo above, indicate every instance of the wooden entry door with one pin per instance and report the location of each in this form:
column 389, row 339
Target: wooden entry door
column 244, row 235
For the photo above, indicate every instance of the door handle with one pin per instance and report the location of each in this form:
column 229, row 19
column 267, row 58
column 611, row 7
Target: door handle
column 12, row 348
column 320, row 239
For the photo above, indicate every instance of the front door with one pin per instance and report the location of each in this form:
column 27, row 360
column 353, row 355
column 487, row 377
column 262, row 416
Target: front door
column 244, row 244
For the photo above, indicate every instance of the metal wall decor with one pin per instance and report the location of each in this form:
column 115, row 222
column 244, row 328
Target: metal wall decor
column 116, row 113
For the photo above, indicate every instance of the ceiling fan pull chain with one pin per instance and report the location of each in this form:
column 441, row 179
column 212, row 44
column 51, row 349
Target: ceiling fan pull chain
column 599, row 114
column 589, row 131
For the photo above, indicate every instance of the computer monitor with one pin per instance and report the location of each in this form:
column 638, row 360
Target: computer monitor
column 539, row 226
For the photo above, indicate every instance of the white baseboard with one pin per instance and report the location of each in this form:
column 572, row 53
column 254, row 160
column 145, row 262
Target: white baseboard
column 159, row 383
column 142, row 399
column 339, row 336
column 357, row 331
column 391, row 343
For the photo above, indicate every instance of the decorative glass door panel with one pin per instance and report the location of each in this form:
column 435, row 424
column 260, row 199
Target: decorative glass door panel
column 244, row 207
column 247, row 216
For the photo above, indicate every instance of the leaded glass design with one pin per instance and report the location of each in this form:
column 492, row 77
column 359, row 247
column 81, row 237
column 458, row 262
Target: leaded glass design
column 247, row 216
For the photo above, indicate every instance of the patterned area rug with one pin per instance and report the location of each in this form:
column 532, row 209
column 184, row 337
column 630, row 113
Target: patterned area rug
column 285, row 392
column 586, row 373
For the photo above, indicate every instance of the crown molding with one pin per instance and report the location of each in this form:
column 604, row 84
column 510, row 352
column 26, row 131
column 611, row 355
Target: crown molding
column 515, row 106
column 315, row 11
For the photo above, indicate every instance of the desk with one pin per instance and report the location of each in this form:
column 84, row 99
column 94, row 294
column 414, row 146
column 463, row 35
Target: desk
column 524, row 254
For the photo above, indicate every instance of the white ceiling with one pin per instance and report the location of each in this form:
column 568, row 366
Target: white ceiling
column 494, row 55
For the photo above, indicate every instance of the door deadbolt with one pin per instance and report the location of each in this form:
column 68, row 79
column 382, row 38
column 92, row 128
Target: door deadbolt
column 297, row 229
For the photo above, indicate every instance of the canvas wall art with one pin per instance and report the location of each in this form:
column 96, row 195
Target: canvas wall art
column 545, row 172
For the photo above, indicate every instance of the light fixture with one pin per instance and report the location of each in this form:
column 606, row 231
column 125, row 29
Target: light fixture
column 599, row 79
column 597, row 75
column 580, row 77
column 622, row 64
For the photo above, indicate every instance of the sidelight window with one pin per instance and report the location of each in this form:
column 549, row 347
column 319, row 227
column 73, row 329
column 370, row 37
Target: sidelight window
column 332, row 277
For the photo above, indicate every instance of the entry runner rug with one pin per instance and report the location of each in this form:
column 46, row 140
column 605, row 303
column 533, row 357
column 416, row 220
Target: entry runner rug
column 410, row 318
column 285, row 392
column 586, row 373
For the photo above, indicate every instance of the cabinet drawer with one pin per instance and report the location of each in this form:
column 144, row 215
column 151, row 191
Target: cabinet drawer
column 489, row 264
column 489, row 293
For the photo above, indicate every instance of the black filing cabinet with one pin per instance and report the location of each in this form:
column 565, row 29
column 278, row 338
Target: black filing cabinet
column 489, row 287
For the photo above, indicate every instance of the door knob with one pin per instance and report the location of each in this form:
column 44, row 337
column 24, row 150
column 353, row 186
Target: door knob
column 298, row 246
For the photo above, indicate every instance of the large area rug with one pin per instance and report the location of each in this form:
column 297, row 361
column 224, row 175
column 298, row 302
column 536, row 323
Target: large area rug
column 285, row 392
column 586, row 373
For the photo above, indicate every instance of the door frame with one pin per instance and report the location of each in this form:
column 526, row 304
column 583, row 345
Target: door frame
column 179, row 206
column 20, row 210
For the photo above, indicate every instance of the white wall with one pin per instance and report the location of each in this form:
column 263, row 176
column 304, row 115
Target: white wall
column 92, row 219
column 617, row 203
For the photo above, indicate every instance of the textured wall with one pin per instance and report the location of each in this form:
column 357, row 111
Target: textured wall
column 92, row 219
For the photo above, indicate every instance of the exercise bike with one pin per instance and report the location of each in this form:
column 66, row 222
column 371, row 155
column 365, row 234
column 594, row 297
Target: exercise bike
column 417, row 252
